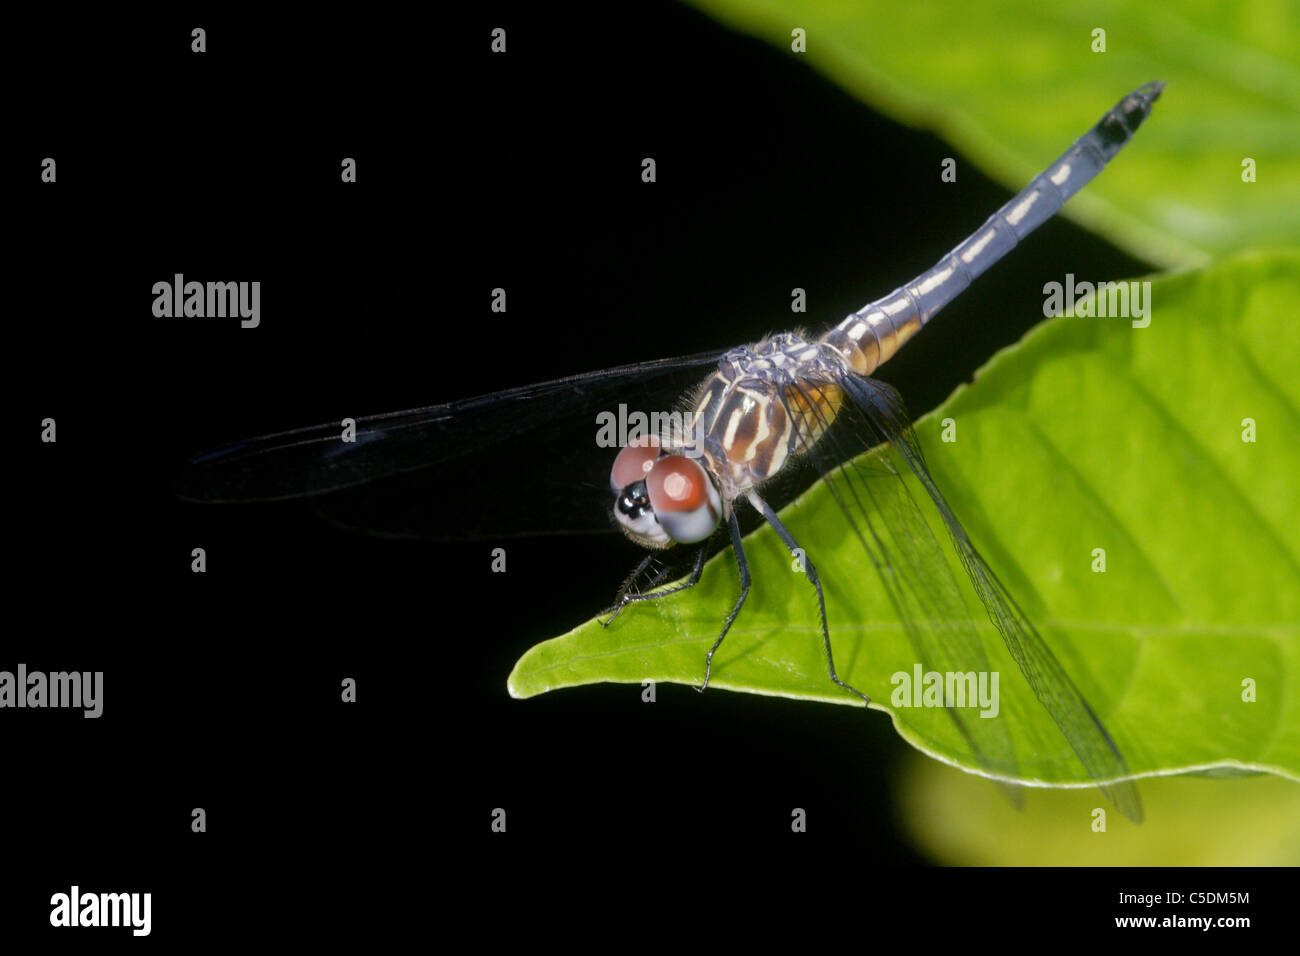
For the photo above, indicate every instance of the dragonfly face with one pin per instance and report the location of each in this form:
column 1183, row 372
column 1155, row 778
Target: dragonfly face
column 663, row 499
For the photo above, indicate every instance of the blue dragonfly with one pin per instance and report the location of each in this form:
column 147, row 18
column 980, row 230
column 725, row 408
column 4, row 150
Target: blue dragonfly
column 759, row 409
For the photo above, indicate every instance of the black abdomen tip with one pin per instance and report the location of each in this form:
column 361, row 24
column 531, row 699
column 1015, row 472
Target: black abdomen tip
column 1136, row 107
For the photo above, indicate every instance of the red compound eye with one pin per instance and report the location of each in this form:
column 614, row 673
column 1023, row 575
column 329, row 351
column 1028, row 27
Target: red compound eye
column 633, row 463
column 684, row 499
column 676, row 484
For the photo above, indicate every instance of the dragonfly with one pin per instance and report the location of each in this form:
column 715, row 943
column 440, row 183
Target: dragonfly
column 790, row 398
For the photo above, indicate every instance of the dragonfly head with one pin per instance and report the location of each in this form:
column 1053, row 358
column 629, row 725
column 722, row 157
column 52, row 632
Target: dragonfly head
column 663, row 499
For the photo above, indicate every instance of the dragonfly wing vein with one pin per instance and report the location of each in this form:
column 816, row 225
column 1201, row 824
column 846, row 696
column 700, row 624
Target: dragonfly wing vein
column 881, row 513
column 1053, row 687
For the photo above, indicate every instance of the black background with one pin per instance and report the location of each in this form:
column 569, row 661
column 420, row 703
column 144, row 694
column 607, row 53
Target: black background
column 475, row 171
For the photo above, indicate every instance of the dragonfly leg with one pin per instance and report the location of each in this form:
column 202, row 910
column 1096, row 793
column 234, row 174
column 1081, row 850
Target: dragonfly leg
column 811, row 572
column 733, row 525
column 618, row 605
column 626, row 595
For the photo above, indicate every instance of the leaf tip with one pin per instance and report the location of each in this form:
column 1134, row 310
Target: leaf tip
column 515, row 687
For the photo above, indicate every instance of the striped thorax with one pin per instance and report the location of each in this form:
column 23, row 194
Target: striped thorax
column 764, row 405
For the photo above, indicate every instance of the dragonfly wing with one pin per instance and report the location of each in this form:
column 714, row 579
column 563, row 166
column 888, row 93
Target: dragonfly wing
column 523, row 461
column 882, row 409
column 880, row 511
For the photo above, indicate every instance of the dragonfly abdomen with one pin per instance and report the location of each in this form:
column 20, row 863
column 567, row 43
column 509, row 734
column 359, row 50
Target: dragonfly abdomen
column 869, row 337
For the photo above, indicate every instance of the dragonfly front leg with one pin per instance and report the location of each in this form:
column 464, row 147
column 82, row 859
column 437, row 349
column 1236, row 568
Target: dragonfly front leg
column 765, row 510
column 626, row 595
column 733, row 525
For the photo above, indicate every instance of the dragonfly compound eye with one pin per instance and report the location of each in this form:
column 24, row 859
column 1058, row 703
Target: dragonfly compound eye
column 684, row 499
column 633, row 463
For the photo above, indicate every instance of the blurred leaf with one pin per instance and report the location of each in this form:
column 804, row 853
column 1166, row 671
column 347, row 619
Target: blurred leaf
column 960, row 820
column 1012, row 84
column 1088, row 434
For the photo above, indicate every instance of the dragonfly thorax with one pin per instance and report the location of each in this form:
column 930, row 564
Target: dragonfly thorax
column 766, row 404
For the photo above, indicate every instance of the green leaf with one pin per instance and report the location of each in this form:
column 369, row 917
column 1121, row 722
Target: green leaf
column 1011, row 85
column 1089, row 434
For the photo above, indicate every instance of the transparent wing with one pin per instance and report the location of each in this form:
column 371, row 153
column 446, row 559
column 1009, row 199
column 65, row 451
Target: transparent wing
column 517, row 462
column 892, row 531
column 900, row 544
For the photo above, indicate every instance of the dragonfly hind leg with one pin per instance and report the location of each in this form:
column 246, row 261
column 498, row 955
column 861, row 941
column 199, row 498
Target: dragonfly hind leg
column 627, row 596
column 811, row 572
